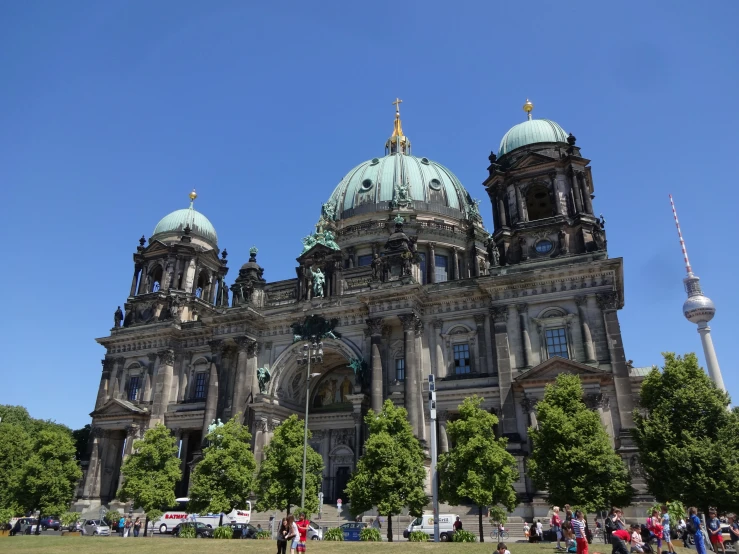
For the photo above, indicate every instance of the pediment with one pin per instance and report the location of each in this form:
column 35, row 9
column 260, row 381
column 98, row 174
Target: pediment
column 156, row 247
column 118, row 408
column 548, row 371
column 531, row 159
column 317, row 251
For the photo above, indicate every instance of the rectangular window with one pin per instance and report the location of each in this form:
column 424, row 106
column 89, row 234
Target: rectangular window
column 200, row 386
column 133, row 388
column 400, row 369
column 422, row 267
column 364, row 260
column 442, row 268
column 461, row 359
column 557, row 342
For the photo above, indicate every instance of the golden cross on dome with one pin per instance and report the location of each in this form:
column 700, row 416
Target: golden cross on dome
column 397, row 103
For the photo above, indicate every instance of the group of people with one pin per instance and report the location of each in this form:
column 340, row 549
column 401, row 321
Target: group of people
column 128, row 526
column 293, row 531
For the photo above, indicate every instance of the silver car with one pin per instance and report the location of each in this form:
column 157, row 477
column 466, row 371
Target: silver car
column 315, row 533
column 96, row 527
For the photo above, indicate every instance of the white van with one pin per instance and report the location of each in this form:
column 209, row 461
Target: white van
column 425, row 523
column 180, row 513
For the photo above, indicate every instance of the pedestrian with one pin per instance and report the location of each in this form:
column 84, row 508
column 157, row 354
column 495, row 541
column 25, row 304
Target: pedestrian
column 714, row 531
column 539, row 530
column 121, row 525
column 637, row 544
column 259, row 527
column 282, row 533
column 578, row 527
column 293, row 535
column 694, row 528
column 568, row 512
column 655, row 529
column 136, row 527
column 127, row 527
column 556, row 525
column 457, row 524
column 303, row 525
column 502, row 548
column 526, row 530
column 682, row 528
column 666, row 530
column 733, row 531
column 619, row 540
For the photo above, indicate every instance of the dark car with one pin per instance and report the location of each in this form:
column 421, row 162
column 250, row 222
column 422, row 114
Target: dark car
column 352, row 530
column 243, row 530
column 202, row 531
column 50, row 522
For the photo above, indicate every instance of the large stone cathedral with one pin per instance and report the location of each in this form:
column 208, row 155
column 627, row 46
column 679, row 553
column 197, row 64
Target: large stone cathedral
column 399, row 281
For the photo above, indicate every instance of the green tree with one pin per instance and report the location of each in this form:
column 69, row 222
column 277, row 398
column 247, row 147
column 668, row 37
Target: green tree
column 81, row 441
column 478, row 467
column 49, row 474
column 15, row 444
column 391, row 473
column 687, row 437
column 151, row 472
column 280, row 475
column 223, row 479
column 572, row 456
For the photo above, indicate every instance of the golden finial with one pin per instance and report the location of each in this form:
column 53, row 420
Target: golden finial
column 398, row 126
column 193, row 195
column 528, row 107
column 397, row 104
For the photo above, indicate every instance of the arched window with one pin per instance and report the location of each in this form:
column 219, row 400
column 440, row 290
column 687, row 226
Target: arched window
column 203, row 280
column 539, row 202
column 156, row 278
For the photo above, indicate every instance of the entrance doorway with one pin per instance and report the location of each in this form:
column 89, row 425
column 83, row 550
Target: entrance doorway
column 342, row 478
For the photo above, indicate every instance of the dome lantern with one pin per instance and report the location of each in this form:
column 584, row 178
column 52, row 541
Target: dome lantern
column 398, row 142
column 179, row 222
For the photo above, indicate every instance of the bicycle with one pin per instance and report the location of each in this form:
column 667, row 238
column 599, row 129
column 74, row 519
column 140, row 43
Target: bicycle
column 599, row 535
column 499, row 535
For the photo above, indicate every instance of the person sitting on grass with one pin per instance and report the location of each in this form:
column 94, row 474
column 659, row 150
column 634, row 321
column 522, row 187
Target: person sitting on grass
column 637, row 544
column 619, row 540
column 502, row 548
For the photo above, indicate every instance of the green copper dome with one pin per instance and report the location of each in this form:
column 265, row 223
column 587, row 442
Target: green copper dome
column 175, row 223
column 532, row 131
column 371, row 186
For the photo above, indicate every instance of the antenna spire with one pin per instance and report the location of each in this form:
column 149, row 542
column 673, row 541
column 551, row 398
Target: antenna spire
column 680, row 235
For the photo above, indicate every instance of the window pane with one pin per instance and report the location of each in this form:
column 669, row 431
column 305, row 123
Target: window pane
column 133, row 388
column 400, row 369
column 200, row 386
column 364, row 260
column 461, row 359
column 557, row 342
column 442, row 263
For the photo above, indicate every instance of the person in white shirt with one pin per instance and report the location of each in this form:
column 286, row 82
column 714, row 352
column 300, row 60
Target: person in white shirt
column 502, row 548
column 539, row 529
column 637, row 544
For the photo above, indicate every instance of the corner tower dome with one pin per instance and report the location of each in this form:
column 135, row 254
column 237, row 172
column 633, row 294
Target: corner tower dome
column 531, row 131
column 173, row 226
column 398, row 178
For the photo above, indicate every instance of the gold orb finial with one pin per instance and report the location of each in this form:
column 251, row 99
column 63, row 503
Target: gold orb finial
column 528, row 107
column 193, row 195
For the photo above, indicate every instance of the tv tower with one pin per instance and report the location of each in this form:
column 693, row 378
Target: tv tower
column 699, row 309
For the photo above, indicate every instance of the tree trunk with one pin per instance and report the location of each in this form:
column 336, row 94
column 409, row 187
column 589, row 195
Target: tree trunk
column 479, row 515
column 390, row 528
column 220, row 521
column 288, row 510
column 146, row 525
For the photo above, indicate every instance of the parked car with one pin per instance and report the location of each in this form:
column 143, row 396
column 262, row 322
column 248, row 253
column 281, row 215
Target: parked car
column 202, row 531
column 351, row 530
column 78, row 525
column 28, row 525
column 315, row 533
column 50, row 522
column 425, row 523
column 243, row 530
column 96, row 527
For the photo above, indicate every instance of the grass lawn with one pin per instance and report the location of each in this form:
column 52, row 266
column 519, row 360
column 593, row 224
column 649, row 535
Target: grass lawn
column 166, row 545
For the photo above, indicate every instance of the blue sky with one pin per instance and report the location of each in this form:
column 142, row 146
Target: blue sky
column 111, row 112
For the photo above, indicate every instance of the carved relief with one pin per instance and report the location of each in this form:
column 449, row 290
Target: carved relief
column 215, row 346
column 607, row 300
column 166, row 357
column 342, row 436
column 252, row 348
column 408, row 321
column 499, row 313
column 375, row 326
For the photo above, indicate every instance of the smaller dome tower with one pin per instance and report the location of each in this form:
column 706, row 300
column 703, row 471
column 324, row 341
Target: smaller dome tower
column 172, row 226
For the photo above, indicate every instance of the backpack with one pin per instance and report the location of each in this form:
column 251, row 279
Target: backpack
column 690, row 527
column 609, row 525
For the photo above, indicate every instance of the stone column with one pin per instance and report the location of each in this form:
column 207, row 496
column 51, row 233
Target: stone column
column 134, row 280
column 599, row 402
column 132, row 434
column 411, row 374
column 586, row 200
column 252, row 383
column 142, row 281
column 375, row 329
column 522, row 216
column 185, row 370
column 555, row 193
column 163, row 383
column 609, row 304
column 418, row 392
column 587, row 338
column 357, row 416
column 481, row 344
column 441, row 419
column 439, row 341
column 151, row 371
column 529, row 405
column 91, row 488
column 455, row 264
column 108, row 368
column 183, row 451
column 501, row 211
column 432, row 263
column 240, row 388
column 575, row 191
column 505, row 375
column 523, row 318
column 211, row 400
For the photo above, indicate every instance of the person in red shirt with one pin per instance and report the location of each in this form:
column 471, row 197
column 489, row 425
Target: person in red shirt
column 457, row 524
column 619, row 538
column 303, row 523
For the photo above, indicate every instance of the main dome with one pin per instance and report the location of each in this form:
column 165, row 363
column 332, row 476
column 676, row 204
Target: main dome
column 370, row 186
column 174, row 225
column 532, row 131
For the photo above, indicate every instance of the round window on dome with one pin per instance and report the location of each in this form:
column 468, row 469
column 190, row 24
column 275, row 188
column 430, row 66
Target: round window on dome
column 435, row 184
column 425, row 161
column 544, row 246
column 375, row 161
column 367, row 184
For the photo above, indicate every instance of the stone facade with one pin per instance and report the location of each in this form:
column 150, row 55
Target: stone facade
column 410, row 288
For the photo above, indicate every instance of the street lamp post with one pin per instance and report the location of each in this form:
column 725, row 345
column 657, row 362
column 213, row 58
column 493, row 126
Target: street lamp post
column 312, row 353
